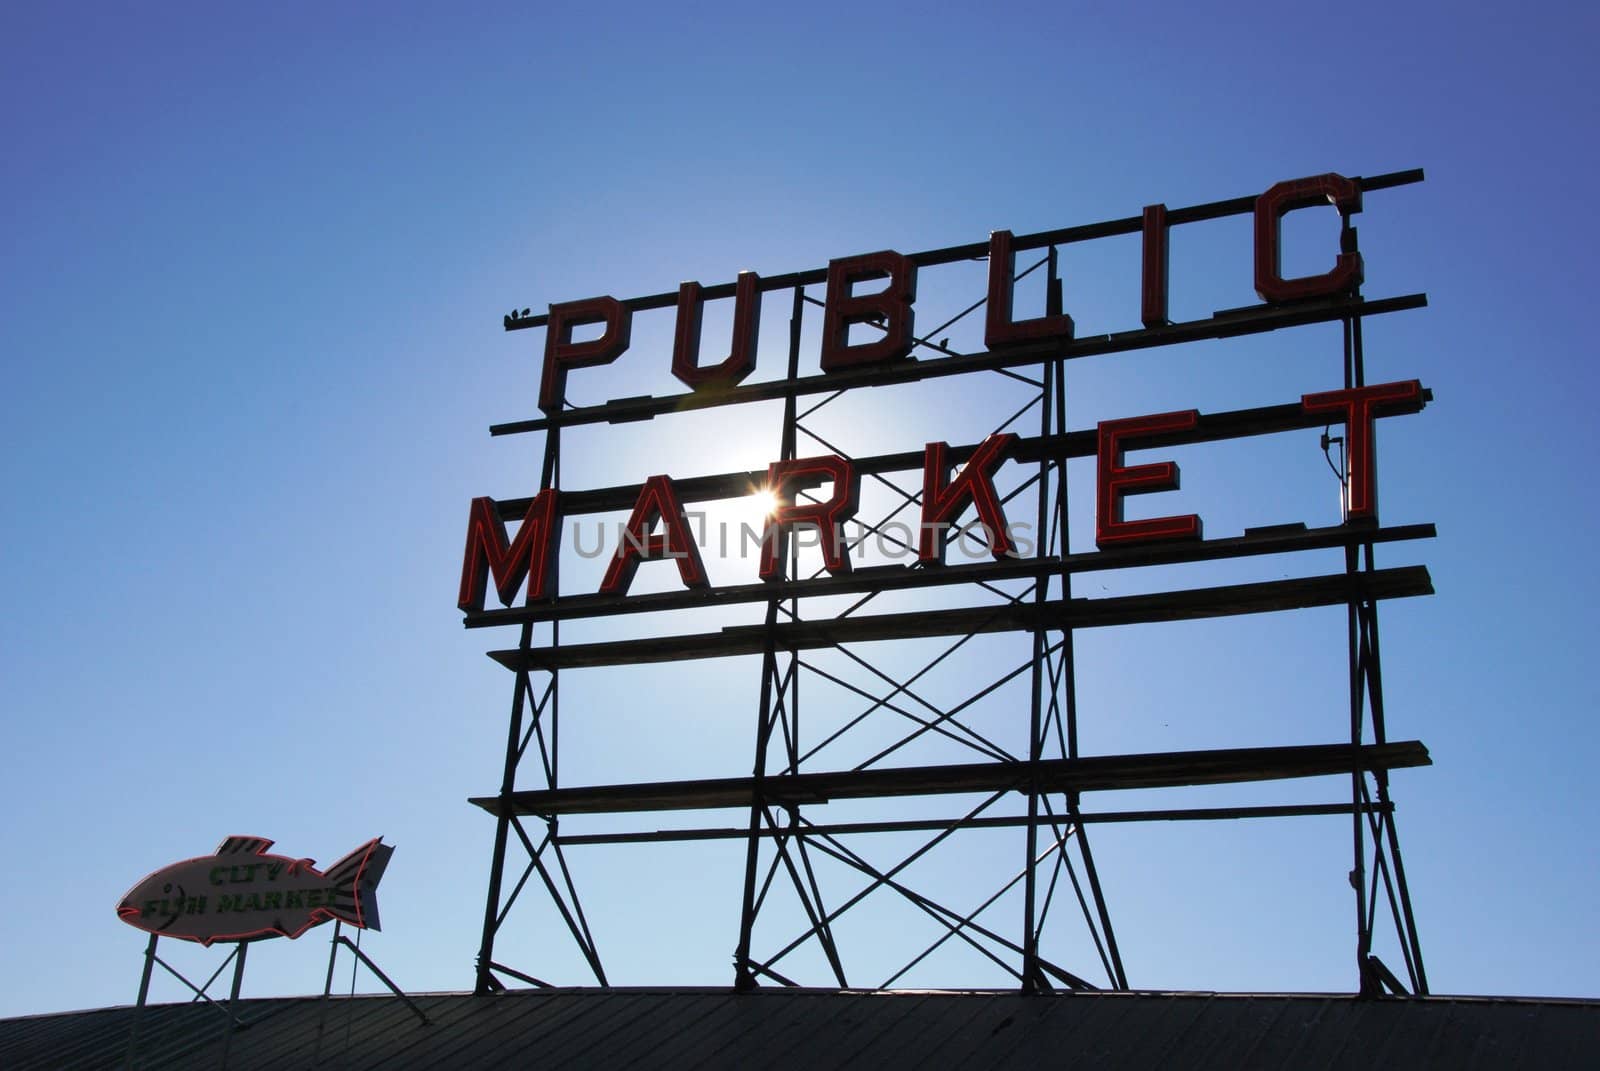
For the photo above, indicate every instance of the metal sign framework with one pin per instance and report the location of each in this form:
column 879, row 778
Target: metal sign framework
column 783, row 838
column 234, row 1019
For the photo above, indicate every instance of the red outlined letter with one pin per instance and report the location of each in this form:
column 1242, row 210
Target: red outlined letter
column 889, row 307
column 657, row 502
column 999, row 329
column 1116, row 481
column 1270, row 210
column 1357, row 407
column 489, row 551
column 1153, row 290
column 784, row 479
column 943, row 499
column 561, row 353
column 746, row 331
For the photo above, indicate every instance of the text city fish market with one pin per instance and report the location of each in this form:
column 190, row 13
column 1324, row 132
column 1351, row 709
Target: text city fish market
column 284, row 900
column 945, row 496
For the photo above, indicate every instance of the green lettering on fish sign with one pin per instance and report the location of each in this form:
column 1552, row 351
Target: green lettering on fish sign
column 225, row 902
column 252, row 903
column 313, row 897
column 194, row 905
column 272, row 901
column 215, row 877
column 295, row 899
column 149, row 907
column 273, row 870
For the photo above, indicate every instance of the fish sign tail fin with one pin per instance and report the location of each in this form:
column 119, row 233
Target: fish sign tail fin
column 354, row 880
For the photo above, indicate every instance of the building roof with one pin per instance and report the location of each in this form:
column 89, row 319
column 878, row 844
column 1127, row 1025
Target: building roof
column 808, row 1029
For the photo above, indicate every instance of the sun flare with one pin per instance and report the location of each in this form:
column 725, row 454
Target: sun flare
column 764, row 500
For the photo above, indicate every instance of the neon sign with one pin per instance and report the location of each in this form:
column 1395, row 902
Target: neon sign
column 528, row 557
column 526, row 560
column 240, row 893
column 893, row 308
column 950, row 495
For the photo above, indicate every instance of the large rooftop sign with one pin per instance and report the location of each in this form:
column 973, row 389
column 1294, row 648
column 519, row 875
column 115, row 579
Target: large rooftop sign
column 1010, row 342
column 949, row 493
column 241, row 893
column 893, row 306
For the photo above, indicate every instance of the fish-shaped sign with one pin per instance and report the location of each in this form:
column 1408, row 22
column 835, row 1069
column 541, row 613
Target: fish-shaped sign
column 241, row 893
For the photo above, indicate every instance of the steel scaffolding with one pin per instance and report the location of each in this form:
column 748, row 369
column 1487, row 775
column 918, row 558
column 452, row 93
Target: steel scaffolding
column 1040, row 791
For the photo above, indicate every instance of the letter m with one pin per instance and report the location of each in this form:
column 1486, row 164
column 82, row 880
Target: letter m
column 489, row 551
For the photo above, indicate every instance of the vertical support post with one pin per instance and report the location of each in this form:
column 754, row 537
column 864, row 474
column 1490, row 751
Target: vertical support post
column 1356, row 634
column 486, row 982
column 1366, row 984
column 238, row 976
column 149, row 968
column 233, row 1003
column 1032, row 978
column 333, row 954
column 792, row 701
column 1069, row 685
column 144, row 995
column 743, row 978
column 1062, row 515
column 1366, row 683
column 1407, row 923
column 327, row 990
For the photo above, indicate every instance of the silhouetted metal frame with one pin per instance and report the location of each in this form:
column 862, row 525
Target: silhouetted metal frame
column 152, row 959
column 1366, row 689
column 528, row 721
column 776, row 810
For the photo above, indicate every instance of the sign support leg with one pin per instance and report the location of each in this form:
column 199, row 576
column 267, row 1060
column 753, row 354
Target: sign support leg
column 493, row 910
column 144, row 995
column 233, row 1002
column 743, row 976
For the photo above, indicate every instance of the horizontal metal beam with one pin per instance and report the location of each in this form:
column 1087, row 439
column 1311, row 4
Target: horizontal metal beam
column 1209, row 427
column 1186, row 605
column 924, row 825
column 1278, row 540
column 1101, row 773
column 1252, row 319
column 975, row 250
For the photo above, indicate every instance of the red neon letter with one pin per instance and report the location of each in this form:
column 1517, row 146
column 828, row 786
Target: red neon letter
column 1115, row 481
column 943, row 499
column 1153, row 297
column 890, row 308
column 1270, row 210
column 561, row 353
column 999, row 330
column 1357, row 407
column 784, row 479
column 657, row 502
column 746, row 329
column 488, row 551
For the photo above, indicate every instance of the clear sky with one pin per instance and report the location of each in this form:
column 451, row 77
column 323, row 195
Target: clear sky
column 253, row 273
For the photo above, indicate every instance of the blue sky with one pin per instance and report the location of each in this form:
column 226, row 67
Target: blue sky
column 253, row 276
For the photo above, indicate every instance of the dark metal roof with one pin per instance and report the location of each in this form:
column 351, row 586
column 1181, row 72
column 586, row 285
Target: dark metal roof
column 808, row 1029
